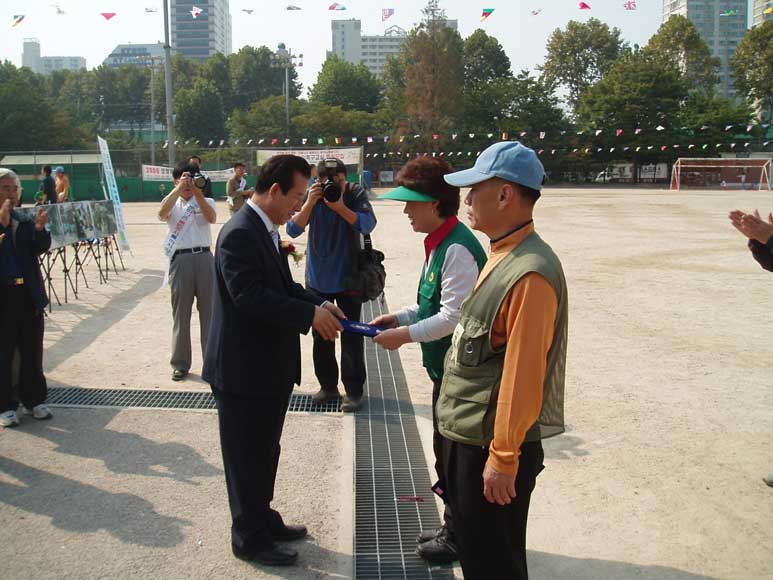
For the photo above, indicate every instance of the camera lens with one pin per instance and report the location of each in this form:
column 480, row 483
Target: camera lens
column 200, row 181
column 331, row 191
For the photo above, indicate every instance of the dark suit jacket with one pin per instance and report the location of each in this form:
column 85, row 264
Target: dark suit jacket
column 30, row 244
column 763, row 253
column 258, row 314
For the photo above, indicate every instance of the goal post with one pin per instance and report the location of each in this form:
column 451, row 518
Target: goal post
column 721, row 173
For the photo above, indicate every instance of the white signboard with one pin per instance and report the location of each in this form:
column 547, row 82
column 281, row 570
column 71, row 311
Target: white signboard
column 386, row 176
column 112, row 188
column 350, row 155
column 161, row 173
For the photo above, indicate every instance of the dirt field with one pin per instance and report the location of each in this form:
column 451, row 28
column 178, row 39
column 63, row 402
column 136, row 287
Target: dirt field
column 669, row 403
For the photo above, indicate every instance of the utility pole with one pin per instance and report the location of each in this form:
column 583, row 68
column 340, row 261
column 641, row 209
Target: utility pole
column 152, row 111
column 168, row 84
column 284, row 58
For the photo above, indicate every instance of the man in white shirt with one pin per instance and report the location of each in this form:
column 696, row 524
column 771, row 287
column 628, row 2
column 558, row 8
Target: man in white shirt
column 189, row 216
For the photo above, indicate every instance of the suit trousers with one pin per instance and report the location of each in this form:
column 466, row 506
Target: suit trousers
column 190, row 276
column 437, row 448
column 491, row 538
column 250, row 430
column 21, row 328
column 352, row 350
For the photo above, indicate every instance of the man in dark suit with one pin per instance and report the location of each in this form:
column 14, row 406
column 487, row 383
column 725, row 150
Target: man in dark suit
column 253, row 356
column 22, row 300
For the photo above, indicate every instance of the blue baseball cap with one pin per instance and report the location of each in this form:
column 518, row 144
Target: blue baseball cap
column 508, row 160
column 58, row 169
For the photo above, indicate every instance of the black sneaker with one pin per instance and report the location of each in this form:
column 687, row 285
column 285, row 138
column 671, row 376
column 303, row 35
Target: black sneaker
column 325, row 396
column 351, row 404
column 428, row 535
column 439, row 550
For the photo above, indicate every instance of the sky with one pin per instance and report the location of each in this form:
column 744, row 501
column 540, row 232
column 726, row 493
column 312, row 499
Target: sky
column 82, row 31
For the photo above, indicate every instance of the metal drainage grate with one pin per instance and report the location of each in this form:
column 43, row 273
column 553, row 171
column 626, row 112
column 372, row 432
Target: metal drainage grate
column 393, row 499
column 130, row 398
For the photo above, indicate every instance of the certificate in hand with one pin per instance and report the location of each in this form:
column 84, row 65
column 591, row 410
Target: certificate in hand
column 360, row 328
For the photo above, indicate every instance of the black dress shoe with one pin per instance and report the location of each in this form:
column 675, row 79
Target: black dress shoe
column 290, row 534
column 428, row 535
column 439, row 550
column 178, row 375
column 274, row 556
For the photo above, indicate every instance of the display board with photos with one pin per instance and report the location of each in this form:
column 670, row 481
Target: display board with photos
column 79, row 221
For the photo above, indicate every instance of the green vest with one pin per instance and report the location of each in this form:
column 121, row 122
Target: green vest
column 430, row 285
column 467, row 404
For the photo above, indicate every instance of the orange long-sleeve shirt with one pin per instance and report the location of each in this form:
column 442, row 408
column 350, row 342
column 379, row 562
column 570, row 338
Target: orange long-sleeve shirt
column 525, row 324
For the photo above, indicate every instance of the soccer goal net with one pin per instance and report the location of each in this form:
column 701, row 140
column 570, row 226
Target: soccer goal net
column 702, row 173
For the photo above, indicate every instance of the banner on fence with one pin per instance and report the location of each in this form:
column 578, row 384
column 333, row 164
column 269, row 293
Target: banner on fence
column 80, row 221
column 350, row 155
column 162, row 173
column 112, row 188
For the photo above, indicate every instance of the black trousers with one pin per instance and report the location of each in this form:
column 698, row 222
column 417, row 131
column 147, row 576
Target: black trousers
column 352, row 350
column 437, row 447
column 491, row 538
column 21, row 327
column 250, row 430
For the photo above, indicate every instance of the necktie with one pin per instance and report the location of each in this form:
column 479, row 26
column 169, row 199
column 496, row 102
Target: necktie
column 275, row 238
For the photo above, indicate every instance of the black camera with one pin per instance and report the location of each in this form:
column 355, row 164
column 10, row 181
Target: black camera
column 328, row 169
column 199, row 181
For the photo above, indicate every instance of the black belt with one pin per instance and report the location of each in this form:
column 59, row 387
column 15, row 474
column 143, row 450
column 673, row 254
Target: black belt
column 199, row 250
column 13, row 282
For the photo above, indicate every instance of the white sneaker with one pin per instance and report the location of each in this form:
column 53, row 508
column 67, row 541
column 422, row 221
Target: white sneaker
column 9, row 419
column 41, row 412
column 769, row 479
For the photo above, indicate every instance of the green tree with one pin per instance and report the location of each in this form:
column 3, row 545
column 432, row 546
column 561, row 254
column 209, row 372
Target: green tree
column 349, row 86
column 642, row 88
column 678, row 39
column 704, row 118
column 434, row 75
column 393, row 102
column 580, row 56
column 752, row 67
column 264, row 119
column 199, row 111
column 29, row 120
column 484, row 60
column 330, row 122
column 216, row 70
column 253, row 78
column 486, row 77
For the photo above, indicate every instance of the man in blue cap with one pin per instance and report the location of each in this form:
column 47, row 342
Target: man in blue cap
column 503, row 384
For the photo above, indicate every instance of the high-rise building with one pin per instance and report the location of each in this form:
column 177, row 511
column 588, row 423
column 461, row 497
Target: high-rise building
column 135, row 55
column 721, row 24
column 758, row 11
column 30, row 56
column 350, row 45
column 209, row 32
column 31, row 59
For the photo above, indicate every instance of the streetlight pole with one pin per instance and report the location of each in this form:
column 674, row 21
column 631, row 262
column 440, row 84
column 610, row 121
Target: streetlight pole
column 168, row 85
column 284, row 58
column 152, row 111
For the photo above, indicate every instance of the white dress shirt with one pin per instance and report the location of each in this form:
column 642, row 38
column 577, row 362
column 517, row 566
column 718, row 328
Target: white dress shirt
column 199, row 233
column 458, row 277
column 273, row 231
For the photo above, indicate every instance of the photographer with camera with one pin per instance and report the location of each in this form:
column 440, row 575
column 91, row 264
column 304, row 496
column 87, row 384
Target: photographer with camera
column 337, row 214
column 189, row 216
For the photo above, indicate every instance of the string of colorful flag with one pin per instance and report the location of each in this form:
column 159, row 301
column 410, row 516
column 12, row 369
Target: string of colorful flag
column 541, row 137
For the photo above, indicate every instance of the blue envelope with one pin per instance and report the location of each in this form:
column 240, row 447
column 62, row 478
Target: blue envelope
column 360, row 328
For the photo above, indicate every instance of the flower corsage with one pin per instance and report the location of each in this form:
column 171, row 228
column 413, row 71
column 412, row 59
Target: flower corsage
column 290, row 250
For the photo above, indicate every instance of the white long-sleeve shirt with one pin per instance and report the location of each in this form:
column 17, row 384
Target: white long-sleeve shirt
column 458, row 277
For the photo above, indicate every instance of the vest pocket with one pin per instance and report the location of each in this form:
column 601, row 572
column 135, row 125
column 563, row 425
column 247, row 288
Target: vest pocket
column 466, row 405
column 470, row 344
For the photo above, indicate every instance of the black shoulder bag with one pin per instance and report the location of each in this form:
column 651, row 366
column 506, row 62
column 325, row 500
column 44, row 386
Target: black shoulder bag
column 367, row 277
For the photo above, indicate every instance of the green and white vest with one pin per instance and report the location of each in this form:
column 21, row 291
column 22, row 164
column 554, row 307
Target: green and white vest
column 430, row 285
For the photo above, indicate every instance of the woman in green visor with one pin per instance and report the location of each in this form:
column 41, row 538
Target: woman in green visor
column 453, row 258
